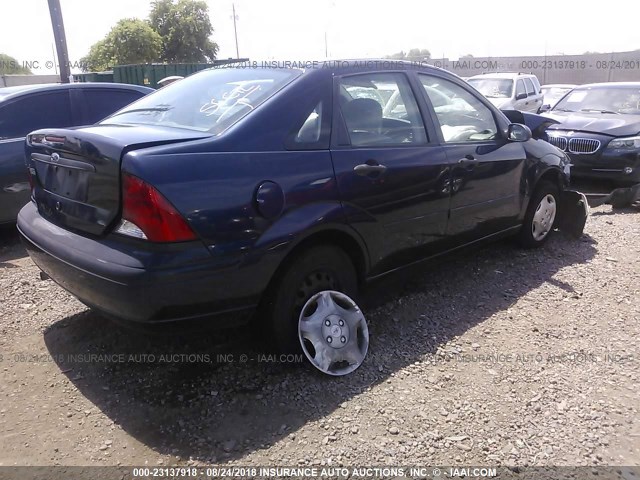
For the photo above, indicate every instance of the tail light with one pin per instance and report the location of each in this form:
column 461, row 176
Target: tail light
column 148, row 215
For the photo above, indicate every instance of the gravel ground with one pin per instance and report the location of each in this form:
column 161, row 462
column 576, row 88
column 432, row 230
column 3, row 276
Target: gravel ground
column 498, row 357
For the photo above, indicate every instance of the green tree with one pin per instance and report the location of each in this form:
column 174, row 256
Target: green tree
column 398, row 56
column 11, row 66
column 415, row 54
column 130, row 41
column 100, row 57
column 419, row 54
column 185, row 28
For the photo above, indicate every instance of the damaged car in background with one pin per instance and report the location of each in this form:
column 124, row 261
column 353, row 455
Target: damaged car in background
column 29, row 107
column 274, row 195
column 599, row 128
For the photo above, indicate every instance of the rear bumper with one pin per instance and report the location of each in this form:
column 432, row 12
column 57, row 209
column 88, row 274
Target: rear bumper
column 158, row 284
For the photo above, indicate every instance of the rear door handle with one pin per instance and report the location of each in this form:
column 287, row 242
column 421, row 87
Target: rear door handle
column 468, row 160
column 369, row 169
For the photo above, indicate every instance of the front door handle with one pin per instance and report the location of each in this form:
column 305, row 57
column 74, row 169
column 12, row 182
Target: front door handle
column 370, row 168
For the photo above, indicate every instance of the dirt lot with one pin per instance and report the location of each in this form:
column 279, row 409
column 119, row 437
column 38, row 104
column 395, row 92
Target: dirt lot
column 502, row 356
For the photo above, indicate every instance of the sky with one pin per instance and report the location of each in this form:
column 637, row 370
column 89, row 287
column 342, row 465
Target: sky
column 296, row 29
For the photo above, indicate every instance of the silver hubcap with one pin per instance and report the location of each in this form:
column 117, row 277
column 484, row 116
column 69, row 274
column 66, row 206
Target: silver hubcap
column 333, row 333
column 544, row 217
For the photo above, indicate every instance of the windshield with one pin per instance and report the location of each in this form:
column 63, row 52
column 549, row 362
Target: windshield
column 602, row 100
column 210, row 101
column 553, row 94
column 493, row 87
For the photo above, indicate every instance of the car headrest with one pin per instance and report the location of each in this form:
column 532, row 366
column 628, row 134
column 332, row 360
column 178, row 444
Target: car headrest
column 363, row 114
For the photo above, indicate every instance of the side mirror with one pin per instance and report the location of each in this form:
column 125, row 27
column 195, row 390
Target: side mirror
column 518, row 133
column 521, row 96
column 544, row 108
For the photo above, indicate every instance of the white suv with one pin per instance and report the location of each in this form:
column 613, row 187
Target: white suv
column 510, row 91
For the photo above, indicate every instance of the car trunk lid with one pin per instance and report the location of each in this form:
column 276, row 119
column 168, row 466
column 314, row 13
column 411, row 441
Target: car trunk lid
column 76, row 172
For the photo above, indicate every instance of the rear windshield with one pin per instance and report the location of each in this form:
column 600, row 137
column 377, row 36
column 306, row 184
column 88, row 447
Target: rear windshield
column 209, row 101
column 493, row 87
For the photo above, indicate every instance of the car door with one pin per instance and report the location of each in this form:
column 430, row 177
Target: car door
column 393, row 179
column 534, row 99
column 18, row 117
column 520, row 96
column 487, row 170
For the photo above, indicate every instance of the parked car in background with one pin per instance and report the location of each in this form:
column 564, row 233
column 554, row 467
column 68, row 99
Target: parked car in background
column 600, row 130
column 29, row 107
column 281, row 191
column 552, row 93
column 510, row 91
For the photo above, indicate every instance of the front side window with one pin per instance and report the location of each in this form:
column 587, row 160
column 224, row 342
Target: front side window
column 209, row 101
column 42, row 110
column 520, row 89
column 463, row 118
column 380, row 109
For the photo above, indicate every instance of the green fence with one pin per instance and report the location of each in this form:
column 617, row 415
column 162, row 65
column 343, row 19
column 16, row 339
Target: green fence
column 93, row 77
column 150, row 73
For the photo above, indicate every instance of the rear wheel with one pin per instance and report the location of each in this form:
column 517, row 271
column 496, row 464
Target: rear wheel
column 541, row 215
column 312, row 311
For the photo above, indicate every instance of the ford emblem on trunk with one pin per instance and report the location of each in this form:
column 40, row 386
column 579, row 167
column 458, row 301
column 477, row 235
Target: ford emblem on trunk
column 55, row 157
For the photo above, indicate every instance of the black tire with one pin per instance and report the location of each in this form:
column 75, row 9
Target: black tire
column 526, row 237
column 314, row 270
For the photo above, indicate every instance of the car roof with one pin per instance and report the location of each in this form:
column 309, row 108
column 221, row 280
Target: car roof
column 7, row 93
column 559, row 85
column 337, row 65
column 611, row 85
column 507, row 75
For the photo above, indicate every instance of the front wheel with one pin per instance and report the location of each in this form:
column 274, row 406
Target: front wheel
column 541, row 216
column 312, row 311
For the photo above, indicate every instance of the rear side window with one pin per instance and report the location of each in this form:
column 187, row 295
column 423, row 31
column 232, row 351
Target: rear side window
column 312, row 126
column 42, row 110
column 101, row 103
column 520, row 89
column 313, row 131
column 380, row 109
column 530, row 88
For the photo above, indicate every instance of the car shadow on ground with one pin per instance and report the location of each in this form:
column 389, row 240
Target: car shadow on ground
column 193, row 396
column 10, row 246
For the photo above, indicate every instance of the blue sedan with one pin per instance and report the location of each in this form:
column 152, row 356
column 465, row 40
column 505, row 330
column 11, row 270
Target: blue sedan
column 29, row 107
column 273, row 194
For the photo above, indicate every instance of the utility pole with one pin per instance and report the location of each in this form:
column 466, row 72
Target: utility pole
column 61, row 39
column 235, row 29
column 53, row 51
column 326, row 46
